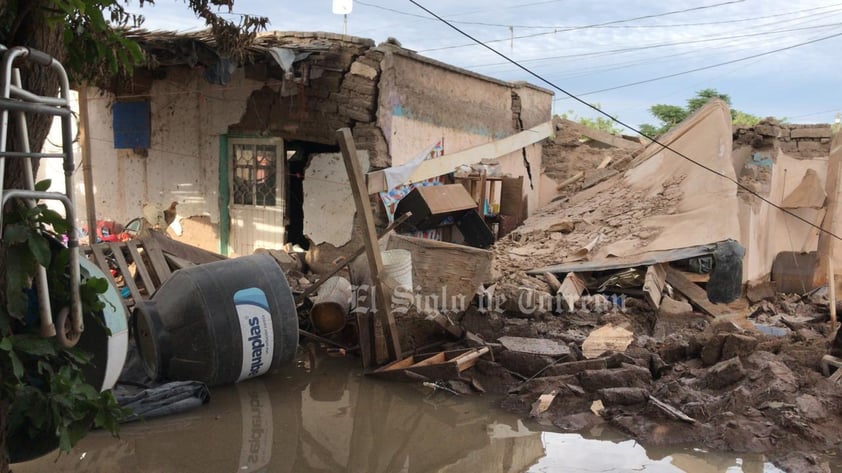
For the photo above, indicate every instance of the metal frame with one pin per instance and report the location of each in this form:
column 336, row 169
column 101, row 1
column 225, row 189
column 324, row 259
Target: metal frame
column 14, row 99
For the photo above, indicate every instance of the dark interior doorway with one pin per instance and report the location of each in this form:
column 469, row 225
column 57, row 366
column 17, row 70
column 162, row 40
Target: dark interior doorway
column 298, row 157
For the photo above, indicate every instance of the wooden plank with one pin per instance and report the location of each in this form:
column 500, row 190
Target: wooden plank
column 128, row 280
column 826, row 240
column 553, row 282
column 190, row 253
column 695, row 294
column 363, row 205
column 156, row 258
column 671, row 411
column 446, row 164
column 148, row 283
column 571, row 290
column 438, row 358
column 601, row 136
column 467, row 360
column 570, row 180
column 653, row 284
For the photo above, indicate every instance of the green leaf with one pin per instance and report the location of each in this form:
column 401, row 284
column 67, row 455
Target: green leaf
column 34, row 345
column 16, row 233
column 42, row 186
column 17, row 366
column 40, row 248
column 6, row 344
column 100, row 285
column 58, row 222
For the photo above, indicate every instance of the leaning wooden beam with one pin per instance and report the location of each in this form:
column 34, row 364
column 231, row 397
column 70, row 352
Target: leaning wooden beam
column 601, row 136
column 446, row 164
column 383, row 299
column 696, row 295
column 653, row 284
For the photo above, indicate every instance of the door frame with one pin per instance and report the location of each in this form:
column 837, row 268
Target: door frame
column 226, row 142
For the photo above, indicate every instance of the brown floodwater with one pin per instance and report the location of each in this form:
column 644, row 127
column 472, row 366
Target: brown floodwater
column 321, row 415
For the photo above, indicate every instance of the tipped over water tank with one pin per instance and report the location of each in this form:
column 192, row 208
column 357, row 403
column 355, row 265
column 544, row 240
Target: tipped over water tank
column 218, row 323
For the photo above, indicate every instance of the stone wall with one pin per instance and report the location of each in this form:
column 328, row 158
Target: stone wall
column 796, row 140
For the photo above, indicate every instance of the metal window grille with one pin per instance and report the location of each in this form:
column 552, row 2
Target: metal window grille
column 255, row 171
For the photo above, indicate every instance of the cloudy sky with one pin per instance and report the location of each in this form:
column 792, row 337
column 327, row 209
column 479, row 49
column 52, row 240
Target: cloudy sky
column 773, row 57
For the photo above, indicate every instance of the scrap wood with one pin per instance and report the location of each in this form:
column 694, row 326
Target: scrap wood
column 653, row 284
column 543, row 403
column 695, row 294
column 372, row 250
column 570, row 180
column 555, row 284
column 602, row 136
column 671, row 411
column 609, row 337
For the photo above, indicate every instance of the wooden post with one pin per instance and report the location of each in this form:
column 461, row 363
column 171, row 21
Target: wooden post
column 87, row 167
column 823, row 263
column 383, row 299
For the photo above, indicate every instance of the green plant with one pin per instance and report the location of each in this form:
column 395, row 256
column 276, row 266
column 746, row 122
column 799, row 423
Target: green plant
column 42, row 383
column 600, row 123
column 670, row 115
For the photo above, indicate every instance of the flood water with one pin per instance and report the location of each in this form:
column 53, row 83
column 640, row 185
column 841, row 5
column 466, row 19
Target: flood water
column 322, row 415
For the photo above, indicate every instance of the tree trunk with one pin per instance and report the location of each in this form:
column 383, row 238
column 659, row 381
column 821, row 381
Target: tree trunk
column 23, row 23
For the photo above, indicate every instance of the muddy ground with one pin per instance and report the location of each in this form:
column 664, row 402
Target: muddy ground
column 737, row 388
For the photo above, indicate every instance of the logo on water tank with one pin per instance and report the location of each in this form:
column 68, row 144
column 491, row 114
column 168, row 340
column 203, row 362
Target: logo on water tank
column 256, row 328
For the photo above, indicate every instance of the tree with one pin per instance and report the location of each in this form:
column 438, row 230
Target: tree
column 671, row 115
column 87, row 36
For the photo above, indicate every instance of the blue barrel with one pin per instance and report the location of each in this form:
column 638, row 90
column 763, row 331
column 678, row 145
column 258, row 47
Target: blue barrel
column 218, row 323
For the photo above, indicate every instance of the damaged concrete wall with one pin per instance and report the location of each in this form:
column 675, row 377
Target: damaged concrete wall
column 423, row 102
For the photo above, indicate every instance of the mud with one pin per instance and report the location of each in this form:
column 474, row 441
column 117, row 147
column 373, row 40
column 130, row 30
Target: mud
column 740, row 389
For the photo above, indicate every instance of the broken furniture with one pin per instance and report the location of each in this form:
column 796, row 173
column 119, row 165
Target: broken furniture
column 435, row 206
column 443, row 365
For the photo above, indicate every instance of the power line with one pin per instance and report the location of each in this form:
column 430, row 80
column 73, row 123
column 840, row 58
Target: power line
column 662, row 45
column 653, row 139
column 576, row 28
column 697, row 69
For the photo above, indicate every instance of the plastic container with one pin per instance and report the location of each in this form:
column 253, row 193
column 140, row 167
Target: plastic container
column 218, row 323
column 397, row 268
column 332, row 305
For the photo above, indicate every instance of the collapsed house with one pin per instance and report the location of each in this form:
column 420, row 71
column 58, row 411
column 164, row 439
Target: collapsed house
column 247, row 148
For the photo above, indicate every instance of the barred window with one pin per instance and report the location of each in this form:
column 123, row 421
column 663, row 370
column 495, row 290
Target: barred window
column 255, row 171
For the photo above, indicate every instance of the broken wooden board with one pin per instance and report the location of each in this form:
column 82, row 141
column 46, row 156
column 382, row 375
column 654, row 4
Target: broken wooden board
column 535, row 346
column 438, row 366
column 543, row 403
column 695, row 294
column 653, row 284
column 571, row 291
column 606, row 338
column 376, row 181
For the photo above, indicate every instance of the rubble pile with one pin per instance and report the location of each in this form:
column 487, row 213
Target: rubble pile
column 683, row 379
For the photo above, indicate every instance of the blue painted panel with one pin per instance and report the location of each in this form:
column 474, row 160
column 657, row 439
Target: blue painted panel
column 132, row 128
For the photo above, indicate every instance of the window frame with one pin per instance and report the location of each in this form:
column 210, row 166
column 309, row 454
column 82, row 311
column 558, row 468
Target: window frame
column 279, row 171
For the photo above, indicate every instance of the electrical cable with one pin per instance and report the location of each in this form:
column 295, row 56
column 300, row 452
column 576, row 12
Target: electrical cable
column 576, row 28
column 688, row 71
column 652, row 139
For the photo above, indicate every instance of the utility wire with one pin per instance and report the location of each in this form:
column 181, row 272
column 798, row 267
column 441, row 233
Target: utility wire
column 652, row 139
column 663, row 45
column 689, row 71
column 576, row 28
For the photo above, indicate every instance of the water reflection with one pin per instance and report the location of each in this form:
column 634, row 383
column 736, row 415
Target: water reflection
column 323, row 416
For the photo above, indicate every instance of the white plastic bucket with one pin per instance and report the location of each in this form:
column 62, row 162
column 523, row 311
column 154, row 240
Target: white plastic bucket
column 397, row 269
